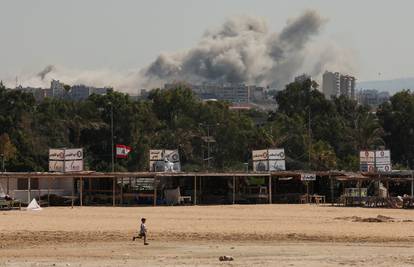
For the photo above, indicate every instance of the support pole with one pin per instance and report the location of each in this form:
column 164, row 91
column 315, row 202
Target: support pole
column 412, row 184
column 270, row 189
column 8, row 185
column 48, row 191
column 81, row 191
column 155, row 192
column 332, row 190
column 234, row 190
column 73, row 188
column 113, row 191
column 307, row 192
column 28, row 190
column 122, row 191
column 195, row 191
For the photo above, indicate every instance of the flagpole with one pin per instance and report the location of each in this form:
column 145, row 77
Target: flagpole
column 112, row 137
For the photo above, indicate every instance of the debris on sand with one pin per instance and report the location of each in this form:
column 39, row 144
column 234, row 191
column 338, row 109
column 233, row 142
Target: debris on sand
column 226, row 258
column 378, row 219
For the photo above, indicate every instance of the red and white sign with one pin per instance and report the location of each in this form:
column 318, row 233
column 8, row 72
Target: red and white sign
column 122, row 151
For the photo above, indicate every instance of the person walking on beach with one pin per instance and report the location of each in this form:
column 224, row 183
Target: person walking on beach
column 142, row 232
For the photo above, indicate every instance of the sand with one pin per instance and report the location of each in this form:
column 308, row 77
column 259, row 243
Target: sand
column 263, row 235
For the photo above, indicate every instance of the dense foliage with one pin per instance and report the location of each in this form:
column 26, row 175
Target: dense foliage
column 316, row 133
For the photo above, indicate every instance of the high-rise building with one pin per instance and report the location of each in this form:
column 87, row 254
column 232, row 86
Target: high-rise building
column 331, row 84
column 335, row 84
column 347, row 86
column 57, row 89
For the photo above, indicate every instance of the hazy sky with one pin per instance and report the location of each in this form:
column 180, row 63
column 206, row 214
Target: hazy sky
column 124, row 35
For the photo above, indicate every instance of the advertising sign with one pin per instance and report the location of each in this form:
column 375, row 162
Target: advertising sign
column 56, row 165
column 268, row 160
column 156, row 154
column 65, row 160
column 74, row 166
column 261, row 166
column 74, row 154
column 260, row 155
column 308, row 177
column 277, row 165
column 276, row 154
column 56, row 154
column 164, row 160
column 371, row 161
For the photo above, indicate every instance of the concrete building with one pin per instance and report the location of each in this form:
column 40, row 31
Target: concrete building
column 372, row 97
column 234, row 93
column 334, row 84
column 347, row 86
column 58, row 89
column 82, row 92
column 38, row 93
column 331, row 84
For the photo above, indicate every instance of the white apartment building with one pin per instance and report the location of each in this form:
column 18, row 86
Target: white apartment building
column 334, row 84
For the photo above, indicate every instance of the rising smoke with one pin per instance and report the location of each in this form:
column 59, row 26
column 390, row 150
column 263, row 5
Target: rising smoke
column 242, row 50
column 45, row 71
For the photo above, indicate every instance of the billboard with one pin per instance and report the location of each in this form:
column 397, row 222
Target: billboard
column 308, row 177
column 164, row 160
column 73, row 165
column 56, row 165
column 74, row 154
column 56, row 154
column 268, row 160
column 378, row 160
column 66, row 160
column 383, row 160
column 258, row 155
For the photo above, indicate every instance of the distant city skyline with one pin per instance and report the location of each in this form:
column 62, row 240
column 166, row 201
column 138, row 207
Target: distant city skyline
column 113, row 39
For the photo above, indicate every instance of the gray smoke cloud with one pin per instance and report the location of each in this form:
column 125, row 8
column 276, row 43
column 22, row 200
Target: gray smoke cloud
column 242, row 50
column 45, row 71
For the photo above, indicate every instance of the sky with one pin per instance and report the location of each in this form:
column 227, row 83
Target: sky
column 121, row 36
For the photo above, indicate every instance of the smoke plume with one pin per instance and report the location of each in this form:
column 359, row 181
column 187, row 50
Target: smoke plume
column 241, row 50
column 45, row 71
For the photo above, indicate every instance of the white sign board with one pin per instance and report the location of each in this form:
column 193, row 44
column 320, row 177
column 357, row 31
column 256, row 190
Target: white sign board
column 308, row 177
column 276, row 154
column 56, row 165
column 260, row 166
column 258, row 155
column 268, row 160
column 56, row 154
column 161, row 160
column 277, row 165
column 66, row 160
column 172, row 155
column 74, row 154
column 371, row 161
column 74, row 166
column 156, row 154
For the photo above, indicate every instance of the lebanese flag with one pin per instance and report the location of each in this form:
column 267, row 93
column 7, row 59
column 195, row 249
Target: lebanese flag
column 122, row 151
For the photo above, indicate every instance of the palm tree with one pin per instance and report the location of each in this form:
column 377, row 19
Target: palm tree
column 367, row 132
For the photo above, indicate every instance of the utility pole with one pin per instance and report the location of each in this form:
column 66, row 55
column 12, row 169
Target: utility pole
column 2, row 162
column 309, row 128
column 112, row 136
column 208, row 147
column 208, row 140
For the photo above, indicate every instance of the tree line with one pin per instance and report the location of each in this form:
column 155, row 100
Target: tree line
column 316, row 133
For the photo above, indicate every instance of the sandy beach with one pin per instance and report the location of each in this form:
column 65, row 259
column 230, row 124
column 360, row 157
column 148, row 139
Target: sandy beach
column 262, row 235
